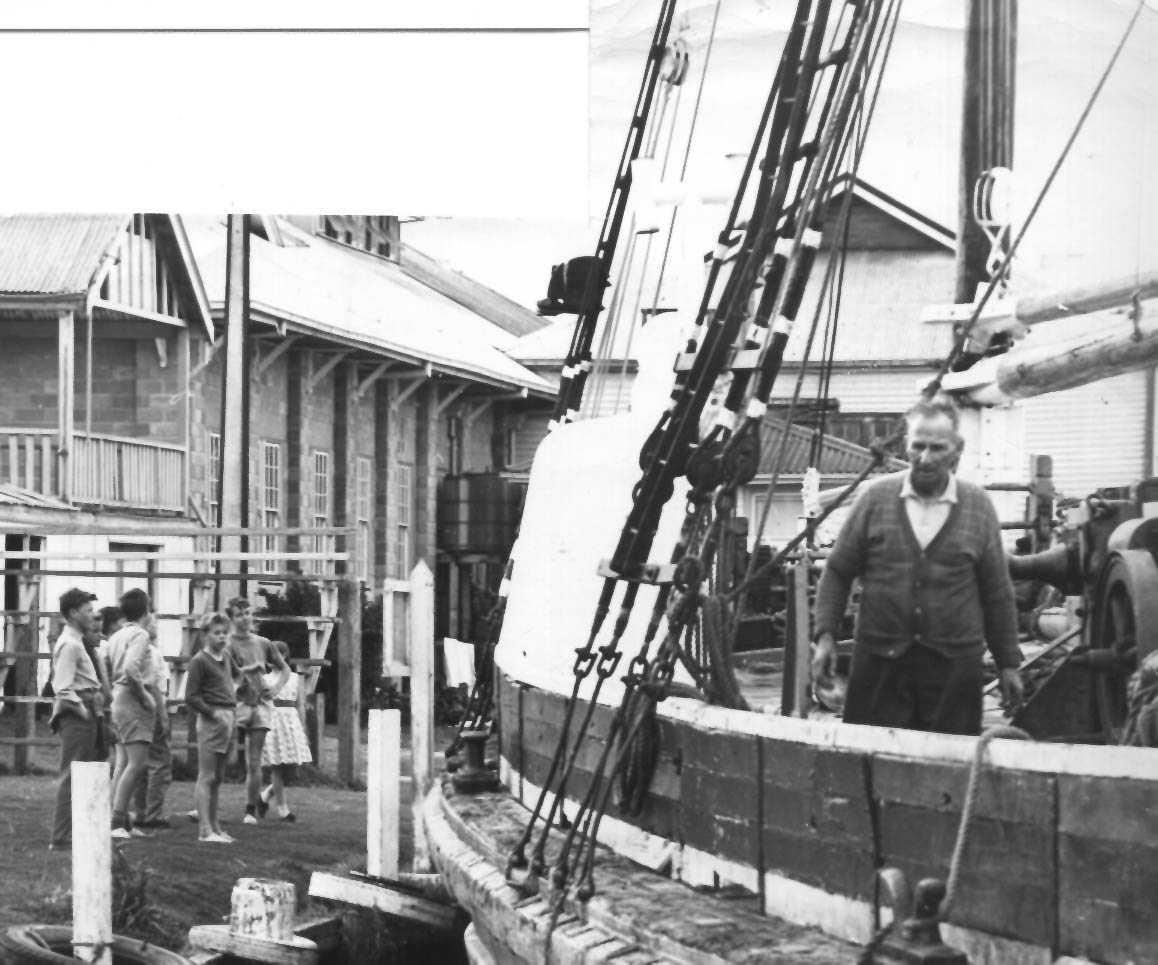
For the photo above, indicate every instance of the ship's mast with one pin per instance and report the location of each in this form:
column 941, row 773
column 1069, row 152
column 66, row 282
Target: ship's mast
column 986, row 130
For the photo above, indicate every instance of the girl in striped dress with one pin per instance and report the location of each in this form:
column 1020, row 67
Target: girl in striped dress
column 286, row 745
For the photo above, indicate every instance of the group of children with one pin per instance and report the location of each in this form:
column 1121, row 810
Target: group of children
column 237, row 681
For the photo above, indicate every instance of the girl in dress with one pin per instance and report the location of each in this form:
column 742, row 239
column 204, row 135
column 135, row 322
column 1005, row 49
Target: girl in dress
column 286, row 746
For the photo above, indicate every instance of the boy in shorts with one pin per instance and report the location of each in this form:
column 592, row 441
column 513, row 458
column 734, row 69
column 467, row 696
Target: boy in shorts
column 253, row 657
column 209, row 691
column 134, row 706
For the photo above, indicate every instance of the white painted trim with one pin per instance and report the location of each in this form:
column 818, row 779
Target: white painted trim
column 984, row 949
column 1037, row 757
column 804, row 904
column 1083, row 760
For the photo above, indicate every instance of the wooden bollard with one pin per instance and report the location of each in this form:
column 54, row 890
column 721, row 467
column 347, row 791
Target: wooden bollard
column 383, row 774
column 92, row 868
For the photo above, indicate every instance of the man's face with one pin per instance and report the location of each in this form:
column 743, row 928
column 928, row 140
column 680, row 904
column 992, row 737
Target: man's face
column 933, row 452
column 82, row 618
column 242, row 619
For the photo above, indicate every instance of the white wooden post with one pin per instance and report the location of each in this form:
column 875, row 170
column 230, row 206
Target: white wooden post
column 92, row 863
column 801, row 638
column 421, row 699
column 383, row 809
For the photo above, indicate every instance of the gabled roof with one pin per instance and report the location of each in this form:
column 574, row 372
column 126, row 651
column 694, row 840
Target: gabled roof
column 321, row 287
column 61, row 258
column 54, row 254
column 879, row 221
column 838, row 457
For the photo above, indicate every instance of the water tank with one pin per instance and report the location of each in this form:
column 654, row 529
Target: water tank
column 477, row 514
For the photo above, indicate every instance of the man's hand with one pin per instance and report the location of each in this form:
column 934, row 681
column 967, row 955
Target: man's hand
column 823, row 656
column 81, row 710
column 1012, row 688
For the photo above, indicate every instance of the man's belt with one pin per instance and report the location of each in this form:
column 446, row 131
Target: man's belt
column 285, row 703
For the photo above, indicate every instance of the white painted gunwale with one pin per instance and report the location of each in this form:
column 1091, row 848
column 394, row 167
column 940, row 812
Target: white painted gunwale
column 1080, row 760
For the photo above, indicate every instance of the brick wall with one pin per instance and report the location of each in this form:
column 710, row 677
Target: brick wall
column 268, row 421
column 157, row 412
column 205, row 415
column 28, row 386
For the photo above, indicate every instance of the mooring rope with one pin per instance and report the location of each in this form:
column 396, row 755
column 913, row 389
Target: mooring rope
column 965, row 828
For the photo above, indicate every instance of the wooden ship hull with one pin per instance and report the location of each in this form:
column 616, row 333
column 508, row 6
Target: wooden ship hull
column 758, row 836
column 800, row 814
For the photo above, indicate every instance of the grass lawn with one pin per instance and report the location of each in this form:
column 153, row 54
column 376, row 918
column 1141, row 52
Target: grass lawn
column 187, row 883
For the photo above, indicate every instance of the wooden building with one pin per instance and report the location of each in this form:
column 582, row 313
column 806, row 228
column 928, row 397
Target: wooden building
column 373, row 373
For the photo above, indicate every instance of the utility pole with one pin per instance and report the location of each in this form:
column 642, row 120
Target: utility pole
column 234, row 497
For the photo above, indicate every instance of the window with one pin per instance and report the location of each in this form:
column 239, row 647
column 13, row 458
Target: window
column 376, row 234
column 403, row 479
column 454, row 435
column 363, row 495
column 135, row 574
column 320, row 503
column 214, row 479
column 271, row 503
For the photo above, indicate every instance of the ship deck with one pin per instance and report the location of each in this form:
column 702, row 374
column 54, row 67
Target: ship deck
column 637, row 916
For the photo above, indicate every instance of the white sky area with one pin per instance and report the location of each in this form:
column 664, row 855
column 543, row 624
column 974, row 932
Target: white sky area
column 1097, row 223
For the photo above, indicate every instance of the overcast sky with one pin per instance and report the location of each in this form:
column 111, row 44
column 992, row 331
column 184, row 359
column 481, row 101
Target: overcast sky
column 1099, row 221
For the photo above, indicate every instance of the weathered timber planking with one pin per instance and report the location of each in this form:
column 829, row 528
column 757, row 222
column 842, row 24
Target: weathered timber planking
column 1008, row 884
column 720, row 813
column 1118, row 922
column 823, row 863
column 539, row 705
column 816, row 822
column 1114, row 809
column 653, row 917
column 1021, row 797
column 507, row 698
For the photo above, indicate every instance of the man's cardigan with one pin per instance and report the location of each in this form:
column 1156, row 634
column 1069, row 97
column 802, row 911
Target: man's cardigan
column 955, row 596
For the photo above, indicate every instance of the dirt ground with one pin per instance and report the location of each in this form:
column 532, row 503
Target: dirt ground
column 186, row 882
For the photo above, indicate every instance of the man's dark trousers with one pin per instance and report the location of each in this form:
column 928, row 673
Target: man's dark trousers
column 78, row 742
column 921, row 690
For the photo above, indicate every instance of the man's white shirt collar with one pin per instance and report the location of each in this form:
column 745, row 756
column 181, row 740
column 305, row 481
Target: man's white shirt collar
column 948, row 496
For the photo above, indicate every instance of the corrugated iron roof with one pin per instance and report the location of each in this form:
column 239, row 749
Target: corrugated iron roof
column 837, row 456
column 341, row 293
column 19, row 496
column 54, row 254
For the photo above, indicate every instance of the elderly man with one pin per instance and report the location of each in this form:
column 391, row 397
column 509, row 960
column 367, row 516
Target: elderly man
column 935, row 591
